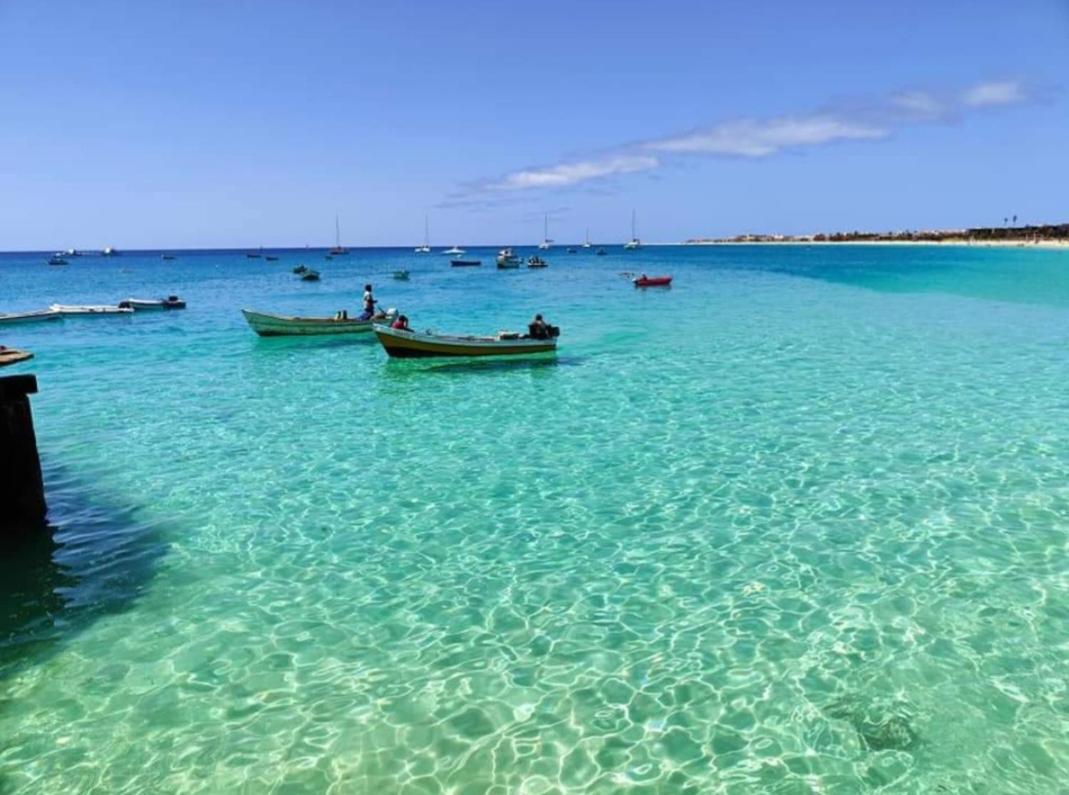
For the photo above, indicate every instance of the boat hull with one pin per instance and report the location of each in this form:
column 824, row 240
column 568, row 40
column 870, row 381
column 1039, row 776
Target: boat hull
column 283, row 326
column 143, row 304
column 414, row 345
column 13, row 356
column 465, row 263
column 30, row 317
column 654, row 281
column 64, row 309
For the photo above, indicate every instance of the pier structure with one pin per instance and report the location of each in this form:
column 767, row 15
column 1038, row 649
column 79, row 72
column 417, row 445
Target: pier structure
column 22, row 494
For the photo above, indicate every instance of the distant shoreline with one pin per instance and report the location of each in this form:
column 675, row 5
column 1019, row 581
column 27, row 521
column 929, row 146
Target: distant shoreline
column 1044, row 244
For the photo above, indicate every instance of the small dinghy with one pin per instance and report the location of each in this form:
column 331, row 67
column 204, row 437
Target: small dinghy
column 300, row 269
column 285, row 326
column 13, row 356
column 57, row 260
column 401, row 276
column 537, row 262
column 29, row 317
column 310, row 276
column 416, row 345
column 465, row 263
column 652, row 281
column 271, row 259
column 90, row 309
column 170, row 302
column 600, row 252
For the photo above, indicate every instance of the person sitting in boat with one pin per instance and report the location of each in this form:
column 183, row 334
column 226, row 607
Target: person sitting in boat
column 401, row 324
column 538, row 329
column 369, row 303
column 341, row 314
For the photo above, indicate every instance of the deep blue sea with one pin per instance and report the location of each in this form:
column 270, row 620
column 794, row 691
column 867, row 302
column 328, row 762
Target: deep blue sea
column 798, row 523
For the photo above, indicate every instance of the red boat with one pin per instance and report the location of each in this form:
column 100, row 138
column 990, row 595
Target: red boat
column 653, row 281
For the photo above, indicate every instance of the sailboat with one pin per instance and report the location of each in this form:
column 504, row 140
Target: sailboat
column 634, row 242
column 426, row 247
column 586, row 242
column 546, row 242
column 338, row 250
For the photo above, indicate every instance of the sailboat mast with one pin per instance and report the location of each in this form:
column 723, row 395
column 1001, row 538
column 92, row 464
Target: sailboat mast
column 337, row 232
column 426, row 231
column 545, row 228
column 633, row 236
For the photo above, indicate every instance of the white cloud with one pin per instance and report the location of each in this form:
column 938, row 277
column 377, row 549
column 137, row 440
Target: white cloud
column 918, row 104
column 565, row 174
column 754, row 138
column 999, row 92
column 751, row 138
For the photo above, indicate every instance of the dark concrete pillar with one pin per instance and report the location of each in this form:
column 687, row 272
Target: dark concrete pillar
column 22, row 493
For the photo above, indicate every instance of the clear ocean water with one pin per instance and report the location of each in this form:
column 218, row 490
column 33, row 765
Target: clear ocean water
column 797, row 524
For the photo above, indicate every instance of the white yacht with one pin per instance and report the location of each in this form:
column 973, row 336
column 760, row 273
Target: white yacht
column 586, row 242
column 634, row 242
column 546, row 243
column 426, row 247
column 339, row 250
column 455, row 251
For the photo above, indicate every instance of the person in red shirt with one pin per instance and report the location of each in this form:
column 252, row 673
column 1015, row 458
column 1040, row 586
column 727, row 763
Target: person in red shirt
column 401, row 324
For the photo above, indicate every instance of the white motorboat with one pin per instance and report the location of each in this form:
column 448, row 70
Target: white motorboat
column 455, row 251
column 170, row 302
column 91, row 309
column 29, row 317
column 507, row 258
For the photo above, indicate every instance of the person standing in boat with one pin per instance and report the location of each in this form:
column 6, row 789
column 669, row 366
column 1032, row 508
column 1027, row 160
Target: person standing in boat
column 369, row 303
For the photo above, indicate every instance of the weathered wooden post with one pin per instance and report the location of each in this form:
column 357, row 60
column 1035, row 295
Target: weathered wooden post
column 22, row 493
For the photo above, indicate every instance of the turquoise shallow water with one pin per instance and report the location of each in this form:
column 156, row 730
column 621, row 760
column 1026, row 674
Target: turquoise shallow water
column 797, row 524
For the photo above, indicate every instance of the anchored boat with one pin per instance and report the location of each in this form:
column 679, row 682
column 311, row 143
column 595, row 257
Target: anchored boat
column 417, row 345
column 90, row 309
column 29, row 317
column 652, row 281
column 465, row 263
column 507, row 258
column 170, row 302
column 285, row 326
column 13, row 356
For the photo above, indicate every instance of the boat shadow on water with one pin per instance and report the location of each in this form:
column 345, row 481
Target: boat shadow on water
column 91, row 560
column 473, row 365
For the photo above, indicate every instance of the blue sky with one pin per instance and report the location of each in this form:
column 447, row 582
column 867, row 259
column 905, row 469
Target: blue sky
column 173, row 124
